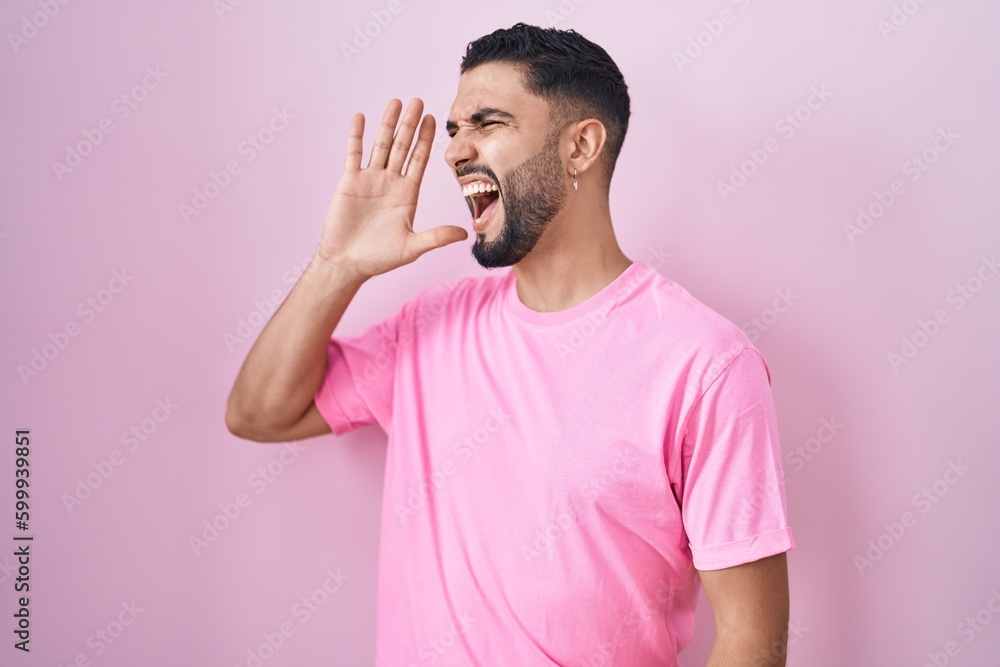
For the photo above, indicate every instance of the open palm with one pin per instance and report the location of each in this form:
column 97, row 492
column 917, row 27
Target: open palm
column 369, row 225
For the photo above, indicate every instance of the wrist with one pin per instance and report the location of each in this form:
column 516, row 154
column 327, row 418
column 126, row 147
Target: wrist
column 334, row 268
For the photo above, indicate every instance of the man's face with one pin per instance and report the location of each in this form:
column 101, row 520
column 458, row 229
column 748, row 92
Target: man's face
column 500, row 136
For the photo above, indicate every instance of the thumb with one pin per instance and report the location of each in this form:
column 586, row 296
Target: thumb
column 421, row 242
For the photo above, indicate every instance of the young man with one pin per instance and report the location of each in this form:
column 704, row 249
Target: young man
column 575, row 443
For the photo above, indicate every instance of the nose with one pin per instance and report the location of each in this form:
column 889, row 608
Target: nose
column 460, row 151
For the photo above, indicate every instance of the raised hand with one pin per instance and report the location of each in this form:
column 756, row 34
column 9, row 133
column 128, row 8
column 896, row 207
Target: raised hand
column 369, row 225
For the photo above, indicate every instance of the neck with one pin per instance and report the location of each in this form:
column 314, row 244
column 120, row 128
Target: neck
column 575, row 258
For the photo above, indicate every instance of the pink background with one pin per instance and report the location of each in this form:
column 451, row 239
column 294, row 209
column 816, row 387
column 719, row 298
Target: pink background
column 164, row 335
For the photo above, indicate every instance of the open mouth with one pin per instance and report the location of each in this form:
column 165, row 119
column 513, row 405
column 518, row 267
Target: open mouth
column 483, row 198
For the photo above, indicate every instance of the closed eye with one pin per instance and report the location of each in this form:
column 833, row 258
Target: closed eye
column 489, row 122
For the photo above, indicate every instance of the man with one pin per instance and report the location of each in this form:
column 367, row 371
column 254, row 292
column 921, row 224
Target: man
column 575, row 443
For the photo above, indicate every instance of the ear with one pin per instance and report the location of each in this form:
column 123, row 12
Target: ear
column 588, row 137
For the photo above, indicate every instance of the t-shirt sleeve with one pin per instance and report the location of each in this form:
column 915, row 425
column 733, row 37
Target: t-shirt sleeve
column 733, row 496
column 357, row 385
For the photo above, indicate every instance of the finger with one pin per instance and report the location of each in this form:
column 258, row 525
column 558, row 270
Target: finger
column 383, row 139
column 354, row 147
column 422, row 151
column 401, row 145
column 421, row 242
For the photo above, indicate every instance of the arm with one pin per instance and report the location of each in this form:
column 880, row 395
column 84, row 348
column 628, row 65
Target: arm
column 368, row 231
column 272, row 397
column 750, row 605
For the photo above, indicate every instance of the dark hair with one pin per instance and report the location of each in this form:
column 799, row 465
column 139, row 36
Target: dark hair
column 577, row 77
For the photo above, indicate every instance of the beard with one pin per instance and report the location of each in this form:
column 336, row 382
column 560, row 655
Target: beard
column 533, row 193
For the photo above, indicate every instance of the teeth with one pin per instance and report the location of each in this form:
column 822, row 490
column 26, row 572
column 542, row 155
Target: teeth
column 477, row 187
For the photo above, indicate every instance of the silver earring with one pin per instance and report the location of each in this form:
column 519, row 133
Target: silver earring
column 574, row 178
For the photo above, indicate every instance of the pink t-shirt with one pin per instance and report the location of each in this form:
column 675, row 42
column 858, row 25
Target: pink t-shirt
column 553, row 479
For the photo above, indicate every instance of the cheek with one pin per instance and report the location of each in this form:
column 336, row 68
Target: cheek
column 499, row 156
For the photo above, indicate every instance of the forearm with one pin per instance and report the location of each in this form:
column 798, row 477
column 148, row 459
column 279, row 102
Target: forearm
column 285, row 366
column 748, row 649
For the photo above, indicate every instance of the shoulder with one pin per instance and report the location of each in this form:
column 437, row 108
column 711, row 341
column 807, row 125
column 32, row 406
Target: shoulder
column 688, row 319
column 708, row 340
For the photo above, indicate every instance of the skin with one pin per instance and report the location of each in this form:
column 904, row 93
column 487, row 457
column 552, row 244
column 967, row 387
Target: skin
column 532, row 195
column 750, row 606
column 559, row 241
column 368, row 230
column 576, row 254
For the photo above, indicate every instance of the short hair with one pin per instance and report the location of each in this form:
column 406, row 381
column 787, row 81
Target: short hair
column 575, row 76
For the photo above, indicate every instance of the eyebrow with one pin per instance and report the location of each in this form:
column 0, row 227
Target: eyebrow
column 479, row 117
